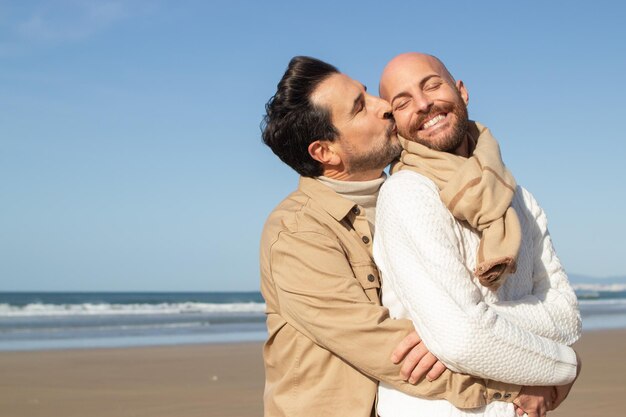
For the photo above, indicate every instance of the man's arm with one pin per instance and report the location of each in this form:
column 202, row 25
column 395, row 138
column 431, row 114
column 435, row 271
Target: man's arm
column 320, row 296
column 532, row 400
column 418, row 251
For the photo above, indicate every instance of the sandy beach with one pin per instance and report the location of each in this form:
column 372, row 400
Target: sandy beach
column 183, row 381
column 224, row 380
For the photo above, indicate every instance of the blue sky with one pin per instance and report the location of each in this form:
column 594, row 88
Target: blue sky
column 130, row 150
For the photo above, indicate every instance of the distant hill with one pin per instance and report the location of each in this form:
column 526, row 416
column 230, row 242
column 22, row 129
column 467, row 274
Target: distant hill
column 586, row 279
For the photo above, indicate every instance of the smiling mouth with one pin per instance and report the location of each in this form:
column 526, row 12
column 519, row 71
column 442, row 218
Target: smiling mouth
column 433, row 121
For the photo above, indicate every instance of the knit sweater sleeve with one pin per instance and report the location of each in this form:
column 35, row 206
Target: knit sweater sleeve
column 552, row 305
column 419, row 255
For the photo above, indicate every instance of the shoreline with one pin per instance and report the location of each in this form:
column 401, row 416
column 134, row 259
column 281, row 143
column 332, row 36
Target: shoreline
column 258, row 335
column 225, row 379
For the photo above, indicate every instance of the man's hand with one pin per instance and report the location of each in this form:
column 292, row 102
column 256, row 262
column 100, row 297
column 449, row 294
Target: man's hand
column 416, row 360
column 535, row 401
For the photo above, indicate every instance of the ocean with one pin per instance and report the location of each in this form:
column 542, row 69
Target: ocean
column 62, row 320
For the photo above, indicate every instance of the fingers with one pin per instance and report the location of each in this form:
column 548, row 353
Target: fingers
column 436, row 371
column 416, row 360
column 538, row 410
column 425, row 365
column 405, row 347
column 535, row 400
column 534, row 413
column 411, row 362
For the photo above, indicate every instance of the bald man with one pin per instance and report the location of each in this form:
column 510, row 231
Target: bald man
column 465, row 253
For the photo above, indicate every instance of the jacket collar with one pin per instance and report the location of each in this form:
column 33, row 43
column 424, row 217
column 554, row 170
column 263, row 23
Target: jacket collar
column 336, row 205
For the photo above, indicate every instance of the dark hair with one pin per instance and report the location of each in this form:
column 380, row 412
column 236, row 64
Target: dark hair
column 292, row 122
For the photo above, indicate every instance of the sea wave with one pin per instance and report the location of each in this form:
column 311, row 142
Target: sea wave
column 605, row 302
column 600, row 287
column 88, row 309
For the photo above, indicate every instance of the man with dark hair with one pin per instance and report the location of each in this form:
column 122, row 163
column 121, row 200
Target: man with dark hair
column 330, row 341
column 300, row 129
column 292, row 122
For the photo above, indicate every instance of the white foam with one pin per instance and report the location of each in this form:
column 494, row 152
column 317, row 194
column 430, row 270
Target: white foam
column 603, row 302
column 600, row 287
column 86, row 309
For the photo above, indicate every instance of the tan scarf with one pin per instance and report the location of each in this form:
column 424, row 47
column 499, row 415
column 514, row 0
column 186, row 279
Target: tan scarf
column 478, row 190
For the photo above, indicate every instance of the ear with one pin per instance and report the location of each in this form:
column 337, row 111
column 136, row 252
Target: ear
column 462, row 91
column 323, row 152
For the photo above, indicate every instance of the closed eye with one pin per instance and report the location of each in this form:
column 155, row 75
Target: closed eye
column 401, row 105
column 358, row 105
column 433, row 85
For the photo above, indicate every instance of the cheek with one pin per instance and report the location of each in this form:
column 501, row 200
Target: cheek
column 374, row 126
column 403, row 119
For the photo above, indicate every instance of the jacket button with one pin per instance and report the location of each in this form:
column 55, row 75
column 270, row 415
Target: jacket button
column 497, row 396
column 507, row 395
column 371, row 278
column 366, row 240
column 356, row 210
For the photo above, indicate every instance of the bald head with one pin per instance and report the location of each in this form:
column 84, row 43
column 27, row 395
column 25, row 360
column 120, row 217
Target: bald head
column 428, row 105
column 408, row 65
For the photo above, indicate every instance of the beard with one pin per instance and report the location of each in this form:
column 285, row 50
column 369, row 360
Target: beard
column 387, row 150
column 442, row 142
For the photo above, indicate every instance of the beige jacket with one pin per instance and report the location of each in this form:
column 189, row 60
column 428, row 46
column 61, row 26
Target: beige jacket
column 330, row 341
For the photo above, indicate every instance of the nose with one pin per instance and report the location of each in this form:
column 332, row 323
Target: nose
column 383, row 109
column 423, row 102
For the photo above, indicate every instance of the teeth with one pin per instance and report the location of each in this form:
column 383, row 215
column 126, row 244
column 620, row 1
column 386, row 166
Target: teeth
column 433, row 121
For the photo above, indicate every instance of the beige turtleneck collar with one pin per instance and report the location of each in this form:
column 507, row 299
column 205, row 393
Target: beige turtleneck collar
column 363, row 193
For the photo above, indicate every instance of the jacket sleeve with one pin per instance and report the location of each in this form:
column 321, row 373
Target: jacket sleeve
column 420, row 256
column 321, row 296
column 552, row 304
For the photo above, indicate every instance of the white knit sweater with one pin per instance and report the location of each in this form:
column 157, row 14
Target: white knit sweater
column 519, row 334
